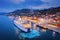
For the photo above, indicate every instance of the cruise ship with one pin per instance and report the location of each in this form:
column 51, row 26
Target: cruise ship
column 23, row 25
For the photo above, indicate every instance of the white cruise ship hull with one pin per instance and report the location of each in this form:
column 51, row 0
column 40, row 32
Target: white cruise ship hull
column 20, row 27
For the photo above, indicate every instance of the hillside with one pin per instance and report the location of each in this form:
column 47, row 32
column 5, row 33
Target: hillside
column 29, row 12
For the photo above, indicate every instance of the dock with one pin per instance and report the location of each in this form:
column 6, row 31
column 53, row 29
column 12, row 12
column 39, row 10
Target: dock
column 49, row 26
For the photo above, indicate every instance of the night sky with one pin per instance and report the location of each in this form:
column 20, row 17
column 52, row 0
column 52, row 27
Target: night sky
column 11, row 5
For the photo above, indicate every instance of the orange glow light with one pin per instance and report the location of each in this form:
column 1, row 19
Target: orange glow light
column 27, row 25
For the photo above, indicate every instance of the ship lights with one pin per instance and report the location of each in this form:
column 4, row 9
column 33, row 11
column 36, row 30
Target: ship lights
column 27, row 25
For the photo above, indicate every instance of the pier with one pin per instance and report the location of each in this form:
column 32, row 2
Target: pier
column 49, row 26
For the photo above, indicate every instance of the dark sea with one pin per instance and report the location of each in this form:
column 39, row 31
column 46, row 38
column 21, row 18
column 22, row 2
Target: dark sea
column 8, row 32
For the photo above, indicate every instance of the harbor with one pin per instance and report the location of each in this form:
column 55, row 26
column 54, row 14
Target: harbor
column 33, row 22
column 28, row 25
column 29, row 19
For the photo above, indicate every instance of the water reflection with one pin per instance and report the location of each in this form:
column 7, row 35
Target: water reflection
column 53, row 34
column 31, row 34
column 43, row 30
column 41, row 34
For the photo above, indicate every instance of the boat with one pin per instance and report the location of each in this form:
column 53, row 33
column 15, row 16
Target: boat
column 21, row 27
column 20, row 23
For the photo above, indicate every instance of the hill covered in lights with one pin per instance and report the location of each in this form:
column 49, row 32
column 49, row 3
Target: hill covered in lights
column 31, row 12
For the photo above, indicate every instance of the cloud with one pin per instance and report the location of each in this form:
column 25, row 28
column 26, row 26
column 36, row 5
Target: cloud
column 47, row 0
column 51, row 2
column 18, row 1
column 10, row 5
column 15, row 1
column 46, row 4
column 6, row 10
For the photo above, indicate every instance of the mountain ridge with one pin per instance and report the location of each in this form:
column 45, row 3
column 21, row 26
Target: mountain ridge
column 26, row 12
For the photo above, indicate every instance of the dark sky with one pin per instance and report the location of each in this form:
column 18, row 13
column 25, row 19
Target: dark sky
column 11, row 5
